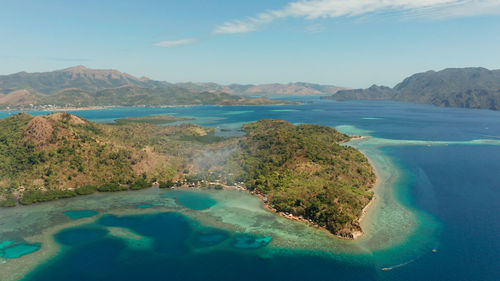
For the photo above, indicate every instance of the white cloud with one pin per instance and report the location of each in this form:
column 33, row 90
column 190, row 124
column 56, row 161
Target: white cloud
column 472, row 8
column 175, row 43
column 246, row 25
column 314, row 9
column 237, row 26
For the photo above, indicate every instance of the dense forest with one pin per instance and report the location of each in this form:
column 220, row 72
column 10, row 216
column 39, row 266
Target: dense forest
column 61, row 155
column 303, row 170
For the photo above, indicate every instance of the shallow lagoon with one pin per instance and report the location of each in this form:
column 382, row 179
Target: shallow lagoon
column 74, row 215
column 194, row 200
column 435, row 209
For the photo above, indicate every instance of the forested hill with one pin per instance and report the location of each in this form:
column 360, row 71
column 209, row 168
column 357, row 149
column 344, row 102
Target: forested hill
column 82, row 87
column 61, row 155
column 304, row 171
column 453, row 87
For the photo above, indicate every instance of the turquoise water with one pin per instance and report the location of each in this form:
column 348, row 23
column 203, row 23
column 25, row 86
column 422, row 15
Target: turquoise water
column 145, row 206
column 208, row 237
column 437, row 219
column 195, row 200
column 5, row 244
column 79, row 235
column 17, row 250
column 74, row 215
column 249, row 241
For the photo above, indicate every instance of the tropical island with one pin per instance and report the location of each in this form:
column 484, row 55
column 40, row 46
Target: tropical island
column 301, row 171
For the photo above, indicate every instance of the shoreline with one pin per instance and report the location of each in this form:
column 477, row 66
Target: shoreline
column 354, row 235
column 376, row 186
column 366, row 209
column 103, row 107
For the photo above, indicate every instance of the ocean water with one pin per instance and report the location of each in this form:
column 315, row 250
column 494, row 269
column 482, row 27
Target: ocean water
column 436, row 216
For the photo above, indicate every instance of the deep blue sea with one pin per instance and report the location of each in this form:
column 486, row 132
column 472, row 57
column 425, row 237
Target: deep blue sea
column 457, row 185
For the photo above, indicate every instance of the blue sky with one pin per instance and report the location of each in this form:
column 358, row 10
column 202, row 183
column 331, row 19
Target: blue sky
column 352, row 43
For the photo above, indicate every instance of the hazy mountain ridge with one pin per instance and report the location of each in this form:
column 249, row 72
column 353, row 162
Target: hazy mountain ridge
column 452, row 87
column 292, row 89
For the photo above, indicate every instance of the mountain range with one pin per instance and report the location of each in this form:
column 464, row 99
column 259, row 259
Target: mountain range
column 276, row 89
column 452, row 87
column 81, row 87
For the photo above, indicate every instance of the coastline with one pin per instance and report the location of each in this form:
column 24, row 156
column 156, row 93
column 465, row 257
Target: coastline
column 351, row 236
column 357, row 245
column 384, row 213
column 102, row 107
column 322, row 239
column 366, row 209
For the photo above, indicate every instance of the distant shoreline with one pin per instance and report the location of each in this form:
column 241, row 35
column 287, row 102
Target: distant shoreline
column 103, row 107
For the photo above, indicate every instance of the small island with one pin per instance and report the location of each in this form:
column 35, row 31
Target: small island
column 301, row 172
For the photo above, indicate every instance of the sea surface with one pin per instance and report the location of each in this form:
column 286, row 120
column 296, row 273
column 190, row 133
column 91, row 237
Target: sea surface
column 436, row 216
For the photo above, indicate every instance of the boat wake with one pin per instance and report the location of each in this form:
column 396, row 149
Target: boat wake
column 397, row 265
column 434, row 250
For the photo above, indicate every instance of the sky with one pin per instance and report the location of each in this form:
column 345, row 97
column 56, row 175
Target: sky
column 350, row 43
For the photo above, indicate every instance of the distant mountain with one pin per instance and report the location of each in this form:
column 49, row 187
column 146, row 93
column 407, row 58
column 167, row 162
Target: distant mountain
column 74, row 77
column 291, row 89
column 452, row 87
column 81, row 87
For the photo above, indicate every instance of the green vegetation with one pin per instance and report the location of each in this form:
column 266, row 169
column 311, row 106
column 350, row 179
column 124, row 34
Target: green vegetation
column 8, row 201
column 111, row 187
column 140, row 184
column 155, row 120
column 61, row 155
column 453, row 87
column 167, row 184
column 304, row 171
column 86, row 190
column 36, row 196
